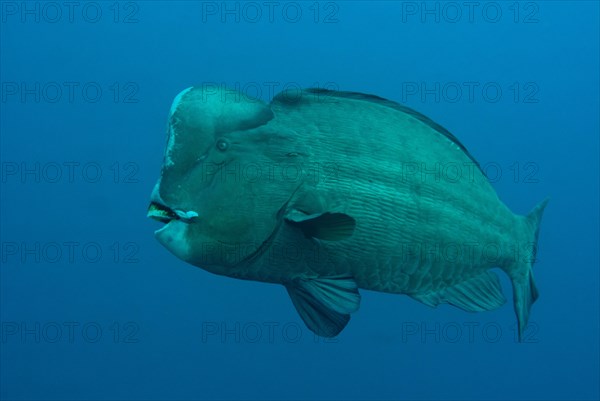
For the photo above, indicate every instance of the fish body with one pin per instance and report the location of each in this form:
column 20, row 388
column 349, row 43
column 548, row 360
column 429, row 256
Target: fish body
column 327, row 192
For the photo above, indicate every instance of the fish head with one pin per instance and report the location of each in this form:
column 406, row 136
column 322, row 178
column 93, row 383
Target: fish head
column 216, row 194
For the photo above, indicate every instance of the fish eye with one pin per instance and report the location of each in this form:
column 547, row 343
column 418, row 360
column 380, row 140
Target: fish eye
column 222, row 145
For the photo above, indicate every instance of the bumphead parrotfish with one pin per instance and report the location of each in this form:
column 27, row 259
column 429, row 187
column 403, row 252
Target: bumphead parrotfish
column 326, row 192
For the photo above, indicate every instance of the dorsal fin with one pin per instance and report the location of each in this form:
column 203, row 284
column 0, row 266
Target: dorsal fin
column 287, row 97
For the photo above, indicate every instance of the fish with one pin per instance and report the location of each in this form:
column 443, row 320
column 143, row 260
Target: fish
column 328, row 192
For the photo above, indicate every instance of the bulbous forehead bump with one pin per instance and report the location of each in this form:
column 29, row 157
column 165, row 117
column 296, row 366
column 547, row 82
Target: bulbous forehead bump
column 178, row 99
column 171, row 134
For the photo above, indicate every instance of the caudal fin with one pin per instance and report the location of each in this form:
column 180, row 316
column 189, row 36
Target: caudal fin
column 524, row 290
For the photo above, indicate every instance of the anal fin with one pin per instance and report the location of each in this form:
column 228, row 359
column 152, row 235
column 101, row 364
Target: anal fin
column 478, row 294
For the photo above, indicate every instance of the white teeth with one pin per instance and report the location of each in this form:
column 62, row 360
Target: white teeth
column 153, row 211
column 189, row 215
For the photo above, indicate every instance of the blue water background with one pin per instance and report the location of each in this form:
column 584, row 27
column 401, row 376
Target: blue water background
column 162, row 320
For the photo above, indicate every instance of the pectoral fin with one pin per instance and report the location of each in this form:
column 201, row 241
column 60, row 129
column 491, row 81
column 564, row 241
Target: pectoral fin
column 325, row 304
column 480, row 293
column 326, row 226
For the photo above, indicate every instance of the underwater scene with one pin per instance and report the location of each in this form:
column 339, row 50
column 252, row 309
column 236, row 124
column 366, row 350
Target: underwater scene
column 299, row 200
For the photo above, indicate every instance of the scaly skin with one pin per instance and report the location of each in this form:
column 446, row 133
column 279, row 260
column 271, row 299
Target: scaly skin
column 426, row 217
column 374, row 150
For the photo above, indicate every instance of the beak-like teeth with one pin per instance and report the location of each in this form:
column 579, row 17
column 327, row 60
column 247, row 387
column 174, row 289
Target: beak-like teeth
column 165, row 214
column 161, row 213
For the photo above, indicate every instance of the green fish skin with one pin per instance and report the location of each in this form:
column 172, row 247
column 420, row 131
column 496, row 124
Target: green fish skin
column 329, row 192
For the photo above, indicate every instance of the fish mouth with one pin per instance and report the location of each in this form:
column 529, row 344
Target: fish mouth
column 162, row 213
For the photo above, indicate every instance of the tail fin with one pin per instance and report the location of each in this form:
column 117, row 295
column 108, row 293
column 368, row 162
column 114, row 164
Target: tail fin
column 524, row 290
